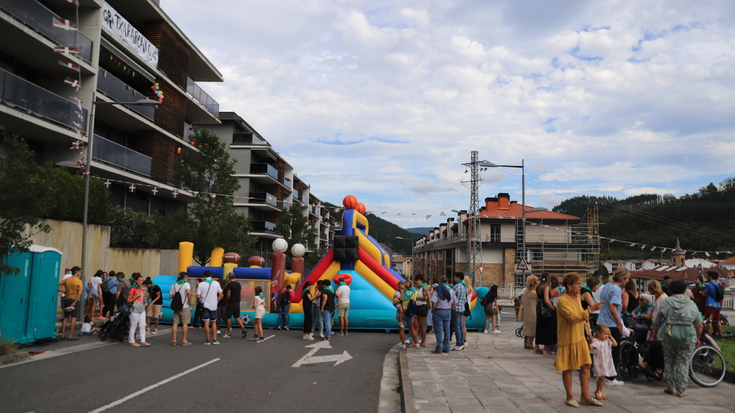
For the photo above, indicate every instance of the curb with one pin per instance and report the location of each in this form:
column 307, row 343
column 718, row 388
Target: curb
column 408, row 405
column 14, row 358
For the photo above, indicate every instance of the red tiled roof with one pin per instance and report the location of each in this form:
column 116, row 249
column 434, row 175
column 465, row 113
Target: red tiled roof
column 674, row 272
column 728, row 261
column 515, row 211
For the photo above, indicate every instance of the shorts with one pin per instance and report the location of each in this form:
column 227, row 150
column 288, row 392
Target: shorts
column 406, row 319
column 208, row 314
column 94, row 294
column 73, row 313
column 153, row 311
column 182, row 317
column 232, row 310
column 713, row 312
column 490, row 310
column 422, row 310
column 343, row 309
column 259, row 312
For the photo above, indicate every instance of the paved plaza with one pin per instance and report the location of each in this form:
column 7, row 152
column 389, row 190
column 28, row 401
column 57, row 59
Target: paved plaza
column 495, row 374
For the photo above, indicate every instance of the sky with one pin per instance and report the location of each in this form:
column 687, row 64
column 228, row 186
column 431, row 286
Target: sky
column 386, row 100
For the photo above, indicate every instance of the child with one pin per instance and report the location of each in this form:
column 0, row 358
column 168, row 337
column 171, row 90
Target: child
column 88, row 327
column 517, row 307
column 497, row 322
column 259, row 306
column 601, row 349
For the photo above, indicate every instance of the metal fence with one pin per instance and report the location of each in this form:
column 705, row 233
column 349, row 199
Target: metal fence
column 122, row 92
column 109, row 152
column 202, row 97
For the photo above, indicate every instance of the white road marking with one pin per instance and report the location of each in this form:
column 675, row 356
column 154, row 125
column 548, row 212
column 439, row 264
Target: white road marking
column 309, row 358
column 153, row 386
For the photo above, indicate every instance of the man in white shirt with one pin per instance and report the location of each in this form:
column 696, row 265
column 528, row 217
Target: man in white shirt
column 209, row 292
column 343, row 306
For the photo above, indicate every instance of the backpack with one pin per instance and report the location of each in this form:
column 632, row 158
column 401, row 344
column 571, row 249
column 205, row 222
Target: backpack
column 411, row 307
column 104, row 286
column 177, row 303
column 719, row 292
column 285, row 298
column 678, row 328
column 483, row 301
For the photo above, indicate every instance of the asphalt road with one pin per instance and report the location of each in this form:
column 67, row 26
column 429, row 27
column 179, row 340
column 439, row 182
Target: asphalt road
column 238, row 375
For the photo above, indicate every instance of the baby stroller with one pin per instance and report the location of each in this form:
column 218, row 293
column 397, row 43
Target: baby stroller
column 116, row 328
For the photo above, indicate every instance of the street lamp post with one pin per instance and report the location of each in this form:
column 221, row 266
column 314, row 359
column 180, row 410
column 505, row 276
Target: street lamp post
column 88, row 166
column 522, row 167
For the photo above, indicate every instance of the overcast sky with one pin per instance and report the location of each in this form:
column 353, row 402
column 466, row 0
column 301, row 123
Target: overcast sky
column 385, row 100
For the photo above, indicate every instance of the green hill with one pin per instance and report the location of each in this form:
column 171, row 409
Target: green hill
column 703, row 221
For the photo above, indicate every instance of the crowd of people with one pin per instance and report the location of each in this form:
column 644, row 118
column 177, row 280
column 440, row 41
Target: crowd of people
column 580, row 321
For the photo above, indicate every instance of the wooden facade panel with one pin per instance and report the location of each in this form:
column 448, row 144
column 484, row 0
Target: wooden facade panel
column 163, row 151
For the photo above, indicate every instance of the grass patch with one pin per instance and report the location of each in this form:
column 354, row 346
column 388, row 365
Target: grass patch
column 727, row 345
column 7, row 347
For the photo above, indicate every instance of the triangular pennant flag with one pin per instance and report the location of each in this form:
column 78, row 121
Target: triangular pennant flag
column 195, row 193
column 442, row 214
column 64, row 24
column 74, row 2
column 643, row 246
column 706, row 253
column 66, row 50
column 69, row 65
column 428, row 216
column 413, row 213
column 78, row 100
column 336, row 210
column 77, row 145
column 79, row 114
column 653, row 248
column 213, row 195
column 76, row 124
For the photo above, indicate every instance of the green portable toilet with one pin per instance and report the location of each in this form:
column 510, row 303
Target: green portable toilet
column 14, row 297
column 43, row 296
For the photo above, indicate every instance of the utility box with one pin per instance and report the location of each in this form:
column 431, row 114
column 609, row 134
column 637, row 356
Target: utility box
column 29, row 300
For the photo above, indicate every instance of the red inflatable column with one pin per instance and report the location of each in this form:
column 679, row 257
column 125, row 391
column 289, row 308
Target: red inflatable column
column 278, row 270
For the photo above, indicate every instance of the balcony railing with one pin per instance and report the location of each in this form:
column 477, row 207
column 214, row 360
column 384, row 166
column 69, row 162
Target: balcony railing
column 247, row 138
column 263, row 198
column 296, row 195
column 41, row 19
column 120, row 91
column 258, row 226
column 202, row 97
column 264, row 168
column 109, row 152
column 288, row 183
column 22, row 94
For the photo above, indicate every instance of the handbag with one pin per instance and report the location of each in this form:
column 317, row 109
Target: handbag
column 543, row 311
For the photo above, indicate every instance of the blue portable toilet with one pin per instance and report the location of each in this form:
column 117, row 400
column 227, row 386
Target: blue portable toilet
column 14, row 297
column 44, row 293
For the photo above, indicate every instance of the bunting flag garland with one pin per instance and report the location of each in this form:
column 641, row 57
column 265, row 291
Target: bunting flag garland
column 74, row 2
column 66, row 50
column 428, row 216
column 653, row 248
column 76, row 84
column 643, row 246
column 77, row 124
column 76, row 145
column 175, row 193
column 442, row 214
column 131, row 188
column 196, row 193
column 154, row 191
column 108, row 183
column 78, row 100
column 69, row 65
column 64, row 24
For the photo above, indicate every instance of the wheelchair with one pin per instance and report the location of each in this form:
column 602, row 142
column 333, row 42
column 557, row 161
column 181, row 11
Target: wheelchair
column 707, row 365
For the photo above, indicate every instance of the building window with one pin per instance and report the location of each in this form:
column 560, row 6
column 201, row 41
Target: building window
column 537, row 255
column 494, row 233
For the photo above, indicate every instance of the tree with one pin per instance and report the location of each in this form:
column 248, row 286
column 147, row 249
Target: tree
column 24, row 197
column 211, row 221
column 294, row 227
column 66, row 192
column 130, row 229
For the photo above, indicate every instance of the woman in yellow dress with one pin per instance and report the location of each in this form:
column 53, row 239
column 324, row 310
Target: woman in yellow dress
column 574, row 352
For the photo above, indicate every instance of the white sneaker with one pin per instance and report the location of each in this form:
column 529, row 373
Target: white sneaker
column 321, row 335
column 496, row 331
column 310, row 338
column 458, row 348
column 486, row 331
column 403, row 346
column 614, row 382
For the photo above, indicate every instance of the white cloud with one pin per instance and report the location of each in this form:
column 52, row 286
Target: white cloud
column 387, row 100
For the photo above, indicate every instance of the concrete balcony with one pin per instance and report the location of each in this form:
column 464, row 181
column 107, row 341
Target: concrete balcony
column 118, row 90
column 111, row 153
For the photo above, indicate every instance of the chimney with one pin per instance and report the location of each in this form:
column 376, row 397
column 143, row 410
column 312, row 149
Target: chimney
column 491, row 203
column 461, row 219
column 504, row 201
column 442, row 228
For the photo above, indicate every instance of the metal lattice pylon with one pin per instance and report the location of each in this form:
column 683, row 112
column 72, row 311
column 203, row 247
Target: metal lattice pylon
column 475, row 242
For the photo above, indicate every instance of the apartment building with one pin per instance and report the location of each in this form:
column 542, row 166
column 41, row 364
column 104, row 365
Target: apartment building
column 267, row 184
column 120, row 51
column 555, row 243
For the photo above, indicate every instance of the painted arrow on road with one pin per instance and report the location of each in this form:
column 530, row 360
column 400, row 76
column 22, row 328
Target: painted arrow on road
column 310, row 358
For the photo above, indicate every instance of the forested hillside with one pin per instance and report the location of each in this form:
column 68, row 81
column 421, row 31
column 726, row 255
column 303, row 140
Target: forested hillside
column 703, row 221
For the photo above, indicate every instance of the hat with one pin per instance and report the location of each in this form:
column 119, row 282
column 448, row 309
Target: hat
column 182, row 275
column 648, row 297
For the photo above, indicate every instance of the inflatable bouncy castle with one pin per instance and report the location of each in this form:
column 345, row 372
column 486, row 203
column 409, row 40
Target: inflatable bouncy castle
column 354, row 255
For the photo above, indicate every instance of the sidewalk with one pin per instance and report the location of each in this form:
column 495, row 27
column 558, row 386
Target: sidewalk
column 495, row 374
